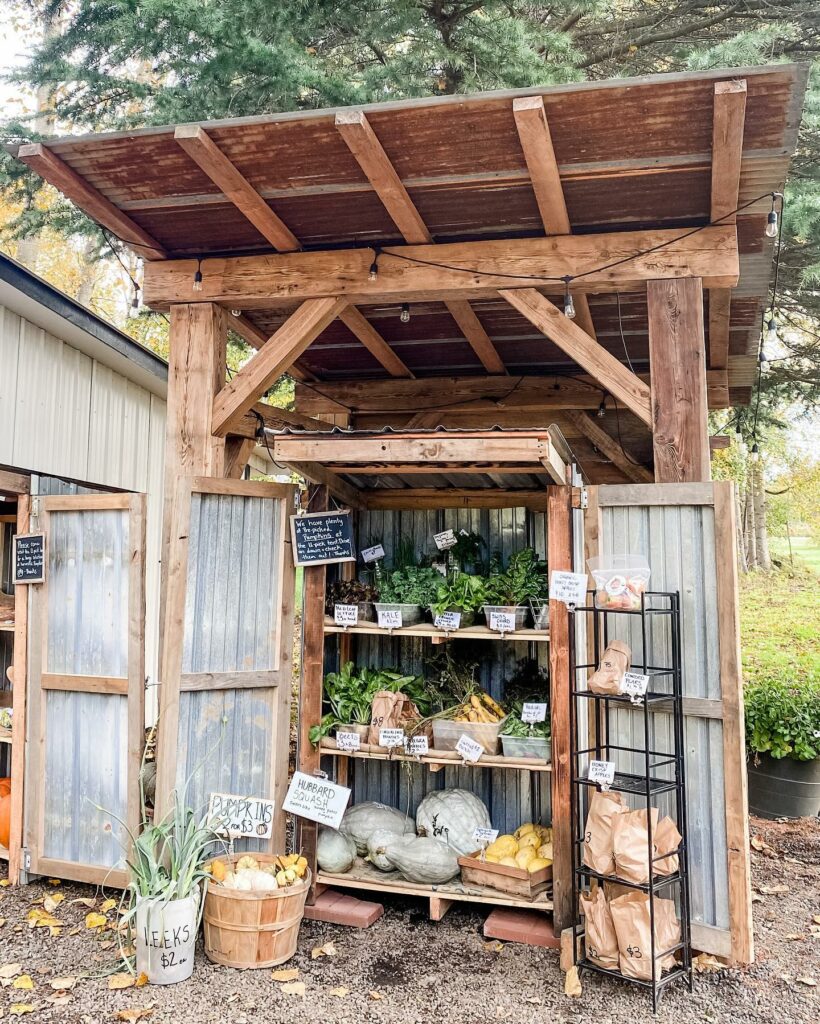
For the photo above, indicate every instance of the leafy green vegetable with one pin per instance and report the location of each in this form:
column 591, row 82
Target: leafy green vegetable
column 410, row 585
column 524, row 577
column 783, row 718
column 349, row 592
column 459, row 591
column 467, row 549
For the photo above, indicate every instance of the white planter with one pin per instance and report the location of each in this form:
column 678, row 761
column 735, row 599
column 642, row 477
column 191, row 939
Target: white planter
column 166, row 937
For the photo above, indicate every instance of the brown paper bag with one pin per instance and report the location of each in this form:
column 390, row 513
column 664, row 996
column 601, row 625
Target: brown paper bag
column 630, row 844
column 391, row 711
column 617, row 659
column 667, row 839
column 601, row 942
column 603, row 808
column 630, row 917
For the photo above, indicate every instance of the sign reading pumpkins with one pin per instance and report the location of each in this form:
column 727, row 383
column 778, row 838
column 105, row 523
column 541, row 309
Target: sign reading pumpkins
column 241, row 816
column 320, row 538
column 316, row 799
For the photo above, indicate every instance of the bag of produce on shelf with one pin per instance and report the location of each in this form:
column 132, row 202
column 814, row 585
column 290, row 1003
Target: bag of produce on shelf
column 667, row 839
column 630, row 916
column 601, row 942
column 630, row 844
column 391, row 710
column 620, row 581
column 609, row 676
column 603, row 808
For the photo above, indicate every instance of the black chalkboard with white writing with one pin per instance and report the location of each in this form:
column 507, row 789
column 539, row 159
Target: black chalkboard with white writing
column 29, row 558
column 320, row 538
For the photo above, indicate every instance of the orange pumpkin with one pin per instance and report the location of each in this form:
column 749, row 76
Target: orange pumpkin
column 5, row 786
column 5, row 819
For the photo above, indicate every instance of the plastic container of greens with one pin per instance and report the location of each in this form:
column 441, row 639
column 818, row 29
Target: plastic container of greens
column 527, row 746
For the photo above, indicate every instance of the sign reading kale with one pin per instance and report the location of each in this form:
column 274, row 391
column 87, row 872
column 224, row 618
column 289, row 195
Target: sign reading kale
column 29, row 558
column 320, row 538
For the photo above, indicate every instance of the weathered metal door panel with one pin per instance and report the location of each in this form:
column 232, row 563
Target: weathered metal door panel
column 687, row 533
column 227, row 654
column 86, row 687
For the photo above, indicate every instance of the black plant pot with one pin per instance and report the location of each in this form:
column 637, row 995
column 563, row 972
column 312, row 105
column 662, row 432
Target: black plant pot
column 783, row 788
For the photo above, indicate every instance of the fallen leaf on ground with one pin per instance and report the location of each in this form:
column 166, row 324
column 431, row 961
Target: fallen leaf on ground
column 63, row 983
column 816, row 919
column 795, row 937
column 757, row 899
column 108, row 905
column 84, row 901
column 2, row 921
column 289, row 975
column 808, row 981
column 41, row 919
column 50, row 903
column 772, row 890
column 327, row 950
column 142, row 980
column 375, row 995
column 572, row 983
column 294, row 988
column 24, row 981
column 494, row 947
column 703, row 963
column 340, row 992
column 4, row 882
column 96, row 921
column 75, row 931
column 533, row 999
column 122, row 980
column 10, row 970
column 18, row 1009
column 132, row 1016
column 54, row 881
column 55, row 930
column 61, row 998
column 108, row 944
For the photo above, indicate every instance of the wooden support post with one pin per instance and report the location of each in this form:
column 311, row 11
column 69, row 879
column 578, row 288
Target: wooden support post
column 310, row 688
column 237, row 452
column 559, row 556
column 677, row 364
column 19, row 691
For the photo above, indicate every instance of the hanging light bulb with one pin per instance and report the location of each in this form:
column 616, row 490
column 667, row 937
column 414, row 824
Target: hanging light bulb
column 373, row 273
column 569, row 305
column 755, row 452
column 602, row 409
column 771, row 331
column 404, row 316
column 236, row 312
column 135, row 301
column 771, row 221
column 762, row 357
column 198, row 276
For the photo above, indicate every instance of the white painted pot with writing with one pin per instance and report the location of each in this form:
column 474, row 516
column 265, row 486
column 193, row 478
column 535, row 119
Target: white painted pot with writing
column 166, row 937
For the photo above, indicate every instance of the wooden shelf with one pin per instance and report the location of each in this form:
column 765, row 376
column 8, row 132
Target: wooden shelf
column 436, row 760
column 363, row 876
column 430, row 632
column 6, row 627
column 5, row 735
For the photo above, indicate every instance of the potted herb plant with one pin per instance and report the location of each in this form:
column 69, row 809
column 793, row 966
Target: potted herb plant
column 466, row 552
column 459, row 593
column 783, row 739
column 353, row 592
column 408, row 590
column 510, row 589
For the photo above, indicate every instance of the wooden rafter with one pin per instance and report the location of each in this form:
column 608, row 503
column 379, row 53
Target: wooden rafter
column 256, row 337
column 612, row 375
column 92, row 202
column 201, row 148
column 272, row 360
column 319, row 474
column 467, row 450
column 609, row 447
column 536, row 142
column 369, row 153
column 254, row 282
column 727, row 155
column 275, row 419
column 358, row 324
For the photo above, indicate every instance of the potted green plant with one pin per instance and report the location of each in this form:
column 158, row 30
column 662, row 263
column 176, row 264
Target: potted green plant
column 525, row 739
column 466, row 552
column 352, row 592
column 783, row 739
column 408, row 590
column 459, row 593
column 509, row 590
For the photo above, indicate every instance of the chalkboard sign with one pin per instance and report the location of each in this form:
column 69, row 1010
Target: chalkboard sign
column 29, row 557
column 320, row 538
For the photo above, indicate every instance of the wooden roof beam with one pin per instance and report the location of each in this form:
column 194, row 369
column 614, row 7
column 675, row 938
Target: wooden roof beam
column 608, row 446
column 201, row 148
column 536, row 142
column 275, row 419
column 358, row 324
column 729, row 115
column 92, row 202
column 612, row 375
column 241, row 393
column 319, row 474
column 256, row 338
column 466, row 450
column 369, row 153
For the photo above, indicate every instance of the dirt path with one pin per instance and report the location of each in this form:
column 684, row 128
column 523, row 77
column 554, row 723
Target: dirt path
column 406, row 970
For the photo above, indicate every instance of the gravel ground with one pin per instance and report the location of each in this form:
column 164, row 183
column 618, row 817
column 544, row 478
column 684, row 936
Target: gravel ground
column 406, row 969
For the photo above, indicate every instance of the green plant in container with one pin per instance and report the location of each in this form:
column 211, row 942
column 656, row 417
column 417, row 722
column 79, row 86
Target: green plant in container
column 460, row 593
column 522, row 580
column 410, row 585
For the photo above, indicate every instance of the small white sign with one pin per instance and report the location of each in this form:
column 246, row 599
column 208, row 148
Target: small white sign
column 485, row 835
column 346, row 614
column 448, row 621
column 445, row 540
column 440, row 567
column 391, row 738
column 316, row 799
column 390, row 619
column 502, row 622
column 534, row 713
column 237, row 816
column 469, row 749
column 348, row 741
column 373, row 554
column 568, row 587
column 416, row 746
column 634, row 686
column 602, row 773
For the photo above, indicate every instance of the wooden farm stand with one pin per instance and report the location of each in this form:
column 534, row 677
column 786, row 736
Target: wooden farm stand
column 309, row 234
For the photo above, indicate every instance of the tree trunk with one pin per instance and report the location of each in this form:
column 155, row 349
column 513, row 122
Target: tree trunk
column 749, row 524
column 742, row 564
column 763, row 559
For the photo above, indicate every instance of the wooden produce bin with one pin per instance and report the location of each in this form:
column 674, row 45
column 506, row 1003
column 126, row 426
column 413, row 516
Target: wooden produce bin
column 503, row 877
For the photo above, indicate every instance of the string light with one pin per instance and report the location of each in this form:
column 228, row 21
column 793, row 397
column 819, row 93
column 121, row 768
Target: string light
column 762, row 357
column 236, row 312
column 771, row 331
column 135, row 301
column 602, row 409
column 373, row 273
column 198, row 276
column 569, row 305
column 772, row 227
column 405, row 313
column 755, row 452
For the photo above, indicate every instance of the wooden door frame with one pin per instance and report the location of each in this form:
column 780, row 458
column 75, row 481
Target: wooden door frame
column 134, row 691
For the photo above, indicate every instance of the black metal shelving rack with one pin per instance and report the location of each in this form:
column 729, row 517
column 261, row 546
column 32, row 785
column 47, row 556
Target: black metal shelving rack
column 664, row 770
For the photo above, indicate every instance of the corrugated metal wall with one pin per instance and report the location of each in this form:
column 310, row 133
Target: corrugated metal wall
column 678, row 541
column 512, row 797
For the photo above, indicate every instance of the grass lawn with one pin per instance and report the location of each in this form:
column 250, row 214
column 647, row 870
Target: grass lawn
column 804, row 550
column 780, row 625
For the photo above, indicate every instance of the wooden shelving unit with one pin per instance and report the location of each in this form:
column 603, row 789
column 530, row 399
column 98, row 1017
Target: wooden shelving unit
column 426, row 630
column 438, row 759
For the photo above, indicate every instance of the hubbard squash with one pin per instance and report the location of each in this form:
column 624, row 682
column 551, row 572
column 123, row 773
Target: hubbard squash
column 361, row 820
column 423, row 860
column 452, row 816
column 5, row 818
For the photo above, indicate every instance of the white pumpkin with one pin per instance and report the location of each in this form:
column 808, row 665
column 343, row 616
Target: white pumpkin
column 377, row 844
column 423, row 860
column 452, row 815
column 335, row 852
column 362, row 820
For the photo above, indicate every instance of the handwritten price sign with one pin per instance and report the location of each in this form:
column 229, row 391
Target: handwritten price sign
column 531, row 713
column 348, row 741
column 570, row 588
column 469, row 749
column 346, row 614
column 373, row 554
column 389, row 618
column 602, row 773
column 634, row 685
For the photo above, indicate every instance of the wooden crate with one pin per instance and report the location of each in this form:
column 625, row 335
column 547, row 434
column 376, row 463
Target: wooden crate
column 499, row 876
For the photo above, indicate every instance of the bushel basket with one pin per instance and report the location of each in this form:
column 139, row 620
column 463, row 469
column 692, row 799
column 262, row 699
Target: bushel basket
column 253, row 929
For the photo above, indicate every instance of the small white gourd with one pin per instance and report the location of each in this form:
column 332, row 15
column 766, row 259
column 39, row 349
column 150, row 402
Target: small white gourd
column 335, row 851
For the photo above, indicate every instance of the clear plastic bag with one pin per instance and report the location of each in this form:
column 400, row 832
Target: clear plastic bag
column 620, row 581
